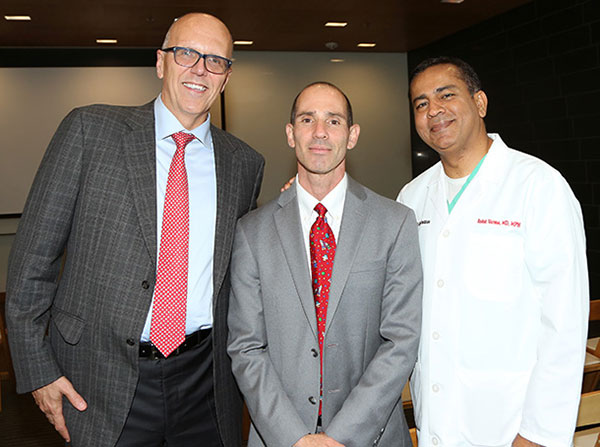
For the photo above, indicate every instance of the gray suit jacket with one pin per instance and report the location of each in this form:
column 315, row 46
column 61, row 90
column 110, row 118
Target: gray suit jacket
column 95, row 195
column 372, row 329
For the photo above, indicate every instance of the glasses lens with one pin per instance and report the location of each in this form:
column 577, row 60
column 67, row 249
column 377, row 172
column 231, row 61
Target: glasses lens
column 186, row 57
column 215, row 64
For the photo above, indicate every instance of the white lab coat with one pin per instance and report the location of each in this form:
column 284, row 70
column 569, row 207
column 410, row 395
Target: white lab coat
column 505, row 305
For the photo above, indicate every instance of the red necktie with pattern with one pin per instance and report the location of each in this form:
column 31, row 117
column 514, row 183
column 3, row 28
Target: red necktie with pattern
column 322, row 254
column 167, row 329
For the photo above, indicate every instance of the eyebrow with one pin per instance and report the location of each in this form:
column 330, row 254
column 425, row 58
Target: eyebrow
column 329, row 114
column 437, row 90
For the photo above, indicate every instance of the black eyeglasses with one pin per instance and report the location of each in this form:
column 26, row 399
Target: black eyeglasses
column 187, row 57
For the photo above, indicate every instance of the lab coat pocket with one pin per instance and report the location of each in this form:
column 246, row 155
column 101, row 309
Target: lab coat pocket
column 490, row 406
column 494, row 265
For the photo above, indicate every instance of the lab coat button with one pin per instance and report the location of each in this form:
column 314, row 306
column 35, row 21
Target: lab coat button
column 435, row 441
column 435, row 336
column 312, row 400
column 446, row 233
column 435, row 388
column 440, row 283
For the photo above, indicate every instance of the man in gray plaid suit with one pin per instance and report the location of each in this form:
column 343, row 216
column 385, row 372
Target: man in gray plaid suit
column 80, row 340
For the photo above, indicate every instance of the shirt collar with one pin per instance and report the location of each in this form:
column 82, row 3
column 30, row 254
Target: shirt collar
column 166, row 124
column 333, row 201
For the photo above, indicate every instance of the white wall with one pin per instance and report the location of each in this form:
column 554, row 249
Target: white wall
column 33, row 101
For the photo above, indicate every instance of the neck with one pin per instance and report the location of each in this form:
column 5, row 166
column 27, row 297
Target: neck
column 461, row 163
column 319, row 185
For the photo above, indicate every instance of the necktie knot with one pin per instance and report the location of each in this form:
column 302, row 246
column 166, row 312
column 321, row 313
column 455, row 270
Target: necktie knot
column 182, row 139
column 321, row 210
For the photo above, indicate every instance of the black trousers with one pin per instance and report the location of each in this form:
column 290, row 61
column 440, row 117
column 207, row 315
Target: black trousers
column 173, row 403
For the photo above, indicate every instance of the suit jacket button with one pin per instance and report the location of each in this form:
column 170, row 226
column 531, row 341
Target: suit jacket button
column 312, row 400
column 314, row 352
column 145, row 284
column 130, row 341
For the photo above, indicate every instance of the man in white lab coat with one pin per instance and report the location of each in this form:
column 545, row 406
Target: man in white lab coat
column 506, row 294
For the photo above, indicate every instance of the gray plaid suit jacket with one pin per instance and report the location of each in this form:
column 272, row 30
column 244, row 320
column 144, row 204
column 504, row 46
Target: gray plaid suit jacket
column 95, row 196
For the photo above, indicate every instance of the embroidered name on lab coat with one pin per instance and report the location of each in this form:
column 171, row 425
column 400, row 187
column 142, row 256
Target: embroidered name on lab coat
column 506, row 223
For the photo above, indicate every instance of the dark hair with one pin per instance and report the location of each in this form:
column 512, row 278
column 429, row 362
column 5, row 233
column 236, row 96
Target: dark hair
column 328, row 84
column 466, row 72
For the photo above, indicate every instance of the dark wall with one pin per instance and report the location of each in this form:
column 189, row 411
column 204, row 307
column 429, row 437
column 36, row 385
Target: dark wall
column 540, row 68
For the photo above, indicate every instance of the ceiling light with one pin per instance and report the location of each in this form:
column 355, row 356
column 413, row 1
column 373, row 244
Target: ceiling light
column 452, row 1
column 106, row 40
column 336, row 60
column 336, row 24
column 243, row 42
column 22, row 18
column 366, row 45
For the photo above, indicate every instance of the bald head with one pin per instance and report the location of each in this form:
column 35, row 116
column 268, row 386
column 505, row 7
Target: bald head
column 349, row 118
column 205, row 23
column 190, row 91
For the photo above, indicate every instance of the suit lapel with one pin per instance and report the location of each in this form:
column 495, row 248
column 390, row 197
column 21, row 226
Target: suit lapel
column 351, row 232
column 139, row 147
column 289, row 230
column 228, row 194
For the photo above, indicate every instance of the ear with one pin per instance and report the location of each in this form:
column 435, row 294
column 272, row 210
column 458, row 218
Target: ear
column 353, row 136
column 226, row 79
column 289, row 131
column 481, row 102
column 160, row 60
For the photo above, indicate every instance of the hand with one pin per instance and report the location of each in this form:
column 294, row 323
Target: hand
column 318, row 440
column 287, row 184
column 520, row 441
column 49, row 399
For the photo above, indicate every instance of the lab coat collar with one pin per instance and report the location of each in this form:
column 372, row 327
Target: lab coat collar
column 492, row 170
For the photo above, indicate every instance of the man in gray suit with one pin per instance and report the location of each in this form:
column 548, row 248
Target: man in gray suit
column 99, row 193
column 325, row 365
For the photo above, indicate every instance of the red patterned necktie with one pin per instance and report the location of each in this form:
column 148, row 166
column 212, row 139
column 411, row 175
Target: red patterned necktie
column 167, row 329
column 322, row 254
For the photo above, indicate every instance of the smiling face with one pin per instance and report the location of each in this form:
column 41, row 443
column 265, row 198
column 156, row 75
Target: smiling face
column 447, row 117
column 189, row 92
column 320, row 133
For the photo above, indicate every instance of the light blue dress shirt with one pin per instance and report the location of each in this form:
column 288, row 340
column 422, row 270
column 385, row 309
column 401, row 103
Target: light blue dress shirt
column 202, row 189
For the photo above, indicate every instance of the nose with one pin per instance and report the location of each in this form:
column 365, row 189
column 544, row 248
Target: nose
column 320, row 130
column 199, row 69
column 435, row 108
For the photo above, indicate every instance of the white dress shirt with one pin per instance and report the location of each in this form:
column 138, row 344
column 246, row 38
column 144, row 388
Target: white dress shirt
column 333, row 203
column 202, row 189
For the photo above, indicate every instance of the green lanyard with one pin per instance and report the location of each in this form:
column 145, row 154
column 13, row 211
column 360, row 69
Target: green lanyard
column 457, row 196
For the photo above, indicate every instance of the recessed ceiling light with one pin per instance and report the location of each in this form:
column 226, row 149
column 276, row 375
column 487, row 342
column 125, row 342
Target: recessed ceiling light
column 22, row 18
column 366, row 44
column 452, row 1
column 106, row 40
column 334, row 60
column 336, row 24
column 243, row 42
